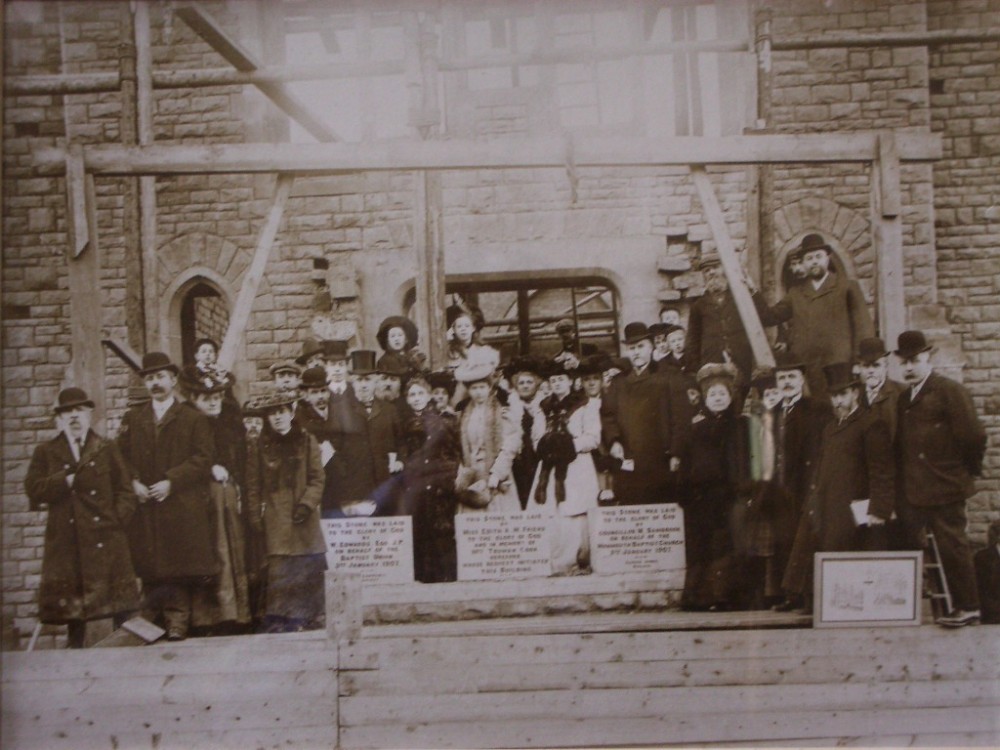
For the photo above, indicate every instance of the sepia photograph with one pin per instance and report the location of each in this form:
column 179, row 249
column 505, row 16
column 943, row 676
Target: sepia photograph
column 499, row 374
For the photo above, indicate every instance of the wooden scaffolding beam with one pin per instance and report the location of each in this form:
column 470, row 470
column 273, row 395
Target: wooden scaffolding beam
column 471, row 154
column 887, row 237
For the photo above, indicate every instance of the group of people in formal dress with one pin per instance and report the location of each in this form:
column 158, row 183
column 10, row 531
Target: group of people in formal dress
column 215, row 506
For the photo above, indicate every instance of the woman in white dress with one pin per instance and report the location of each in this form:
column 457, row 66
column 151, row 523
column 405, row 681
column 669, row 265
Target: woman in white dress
column 572, row 413
column 490, row 439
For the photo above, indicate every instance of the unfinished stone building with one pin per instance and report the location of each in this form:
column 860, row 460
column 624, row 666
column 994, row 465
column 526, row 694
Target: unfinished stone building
column 545, row 159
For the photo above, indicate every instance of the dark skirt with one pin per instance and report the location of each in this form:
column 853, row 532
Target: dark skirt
column 296, row 587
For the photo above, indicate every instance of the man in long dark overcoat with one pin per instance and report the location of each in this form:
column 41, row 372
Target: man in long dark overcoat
column 828, row 314
column 168, row 447
column 350, row 474
column 881, row 393
column 798, row 426
column 384, row 430
column 81, row 479
column 645, row 420
column 940, row 447
column 855, row 462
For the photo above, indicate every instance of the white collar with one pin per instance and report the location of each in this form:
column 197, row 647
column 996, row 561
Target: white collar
column 818, row 284
column 338, row 388
column 915, row 389
column 162, row 407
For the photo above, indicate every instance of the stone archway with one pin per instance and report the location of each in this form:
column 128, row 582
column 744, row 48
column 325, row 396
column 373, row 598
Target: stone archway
column 848, row 231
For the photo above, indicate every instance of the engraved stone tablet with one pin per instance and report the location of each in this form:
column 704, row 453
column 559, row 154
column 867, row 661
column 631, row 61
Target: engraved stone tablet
column 492, row 546
column 379, row 549
column 636, row 538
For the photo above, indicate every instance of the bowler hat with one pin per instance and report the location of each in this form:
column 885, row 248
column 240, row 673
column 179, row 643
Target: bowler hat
column 310, row 348
column 809, row 243
column 314, row 377
column 393, row 367
column 840, row 375
column 788, row 361
column 397, row 321
column 70, row 398
column 911, row 343
column 284, row 366
column 363, row 362
column 871, row 350
column 156, row 361
column 334, row 350
column 519, row 364
column 635, row 332
column 442, row 379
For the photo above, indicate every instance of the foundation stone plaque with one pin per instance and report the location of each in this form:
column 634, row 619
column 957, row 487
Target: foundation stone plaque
column 492, row 546
column 380, row 550
column 636, row 538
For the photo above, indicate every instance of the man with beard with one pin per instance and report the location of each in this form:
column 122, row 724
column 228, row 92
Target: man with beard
column 524, row 377
column 855, row 462
column 798, row 426
column 827, row 312
column 940, row 447
column 314, row 403
column 646, row 418
column 169, row 448
column 881, row 395
column 81, row 479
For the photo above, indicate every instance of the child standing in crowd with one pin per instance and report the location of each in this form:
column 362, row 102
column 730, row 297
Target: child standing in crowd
column 398, row 337
column 431, row 454
column 712, row 468
column 284, row 488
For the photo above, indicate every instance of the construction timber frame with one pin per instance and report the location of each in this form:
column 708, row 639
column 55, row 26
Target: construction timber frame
column 138, row 157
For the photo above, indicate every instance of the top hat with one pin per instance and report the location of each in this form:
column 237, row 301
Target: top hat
column 284, row 366
column 840, row 375
column 156, row 361
column 717, row 372
column 363, row 362
column 809, row 243
column 911, row 343
column 471, row 371
column 397, row 321
column 203, row 383
column 787, row 361
column 310, row 348
column 335, row 350
column 70, row 398
column 314, row 377
column 442, row 379
column 871, row 350
column 635, row 332
column 522, row 363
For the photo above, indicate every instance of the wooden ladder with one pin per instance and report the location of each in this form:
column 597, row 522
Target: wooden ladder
column 936, row 584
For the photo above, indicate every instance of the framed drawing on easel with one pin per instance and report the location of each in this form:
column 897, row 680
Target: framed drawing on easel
column 867, row 589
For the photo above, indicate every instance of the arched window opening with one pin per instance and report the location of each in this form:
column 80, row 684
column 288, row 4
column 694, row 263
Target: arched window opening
column 204, row 314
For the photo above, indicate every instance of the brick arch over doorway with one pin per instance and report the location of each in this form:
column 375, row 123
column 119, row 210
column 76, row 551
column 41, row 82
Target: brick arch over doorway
column 847, row 231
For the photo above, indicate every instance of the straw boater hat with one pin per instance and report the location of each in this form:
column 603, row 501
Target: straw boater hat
column 840, row 376
column 70, row 398
column 285, row 366
column 267, row 402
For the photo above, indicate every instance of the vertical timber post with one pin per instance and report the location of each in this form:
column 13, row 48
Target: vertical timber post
column 887, row 221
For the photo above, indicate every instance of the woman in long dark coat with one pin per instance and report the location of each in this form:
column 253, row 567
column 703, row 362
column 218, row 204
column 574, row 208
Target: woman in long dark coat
column 431, row 454
column 86, row 569
column 284, row 488
column 712, row 470
column 225, row 606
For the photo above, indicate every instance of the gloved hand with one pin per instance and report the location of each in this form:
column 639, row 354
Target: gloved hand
column 301, row 513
